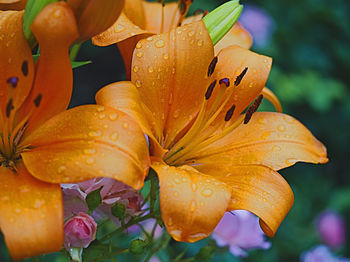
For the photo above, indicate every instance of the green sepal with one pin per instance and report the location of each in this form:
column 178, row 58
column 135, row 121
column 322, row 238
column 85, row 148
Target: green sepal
column 32, row 9
column 118, row 210
column 94, row 199
column 222, row 19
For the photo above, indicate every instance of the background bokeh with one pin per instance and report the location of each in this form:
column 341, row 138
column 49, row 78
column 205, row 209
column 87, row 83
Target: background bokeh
column 309, row 41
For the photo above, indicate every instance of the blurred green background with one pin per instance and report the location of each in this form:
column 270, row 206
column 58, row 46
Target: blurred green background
column 309, row 42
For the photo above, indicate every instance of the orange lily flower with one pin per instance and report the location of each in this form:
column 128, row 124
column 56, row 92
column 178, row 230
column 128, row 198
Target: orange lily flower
column 210, row 158
column 141, row 19
column 43, row 145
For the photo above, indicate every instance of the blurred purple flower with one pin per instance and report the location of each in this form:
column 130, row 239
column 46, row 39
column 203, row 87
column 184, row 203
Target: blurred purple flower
column 321, row 254
column 79, row 231
column 240, row 231
column 331, row 228
column 112, row 191
column 258, row 23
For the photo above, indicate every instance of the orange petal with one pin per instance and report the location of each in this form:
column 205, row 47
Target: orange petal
column 134, row 10
column 55, row 29
column 31, row 214
column 236, row 36
column 269, row 95
column 87, row 142
column 231, row 63
column 15, row 60
column 191, row 202
column 94, row 17
column 170, row 73
column 271, row 139
column 154, row 13
column 13, row 4
column 257, row 189
column 125, row 97
column 122, row 29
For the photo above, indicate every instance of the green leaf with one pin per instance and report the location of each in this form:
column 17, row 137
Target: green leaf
column 33, row 8
column 94, row 199
column 205, row 253
column 118, row 210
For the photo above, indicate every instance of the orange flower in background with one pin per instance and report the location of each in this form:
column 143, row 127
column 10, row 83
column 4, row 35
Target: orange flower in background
column 12, row 4
column 210, row 158
column 43, row 145
column 141, row 19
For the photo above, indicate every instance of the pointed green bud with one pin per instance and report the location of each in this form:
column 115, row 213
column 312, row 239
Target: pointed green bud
column 221, row 20
column 32, row 9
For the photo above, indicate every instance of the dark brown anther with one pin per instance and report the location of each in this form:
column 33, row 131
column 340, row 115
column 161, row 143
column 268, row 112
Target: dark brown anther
column 229, row 113
column 12, row 81
column 210, row 90
column 252, row 109
column 212, row 66
column 25, row 68
column 37, row 100
column 9, row 108
column 225, row 81
column 240, row 77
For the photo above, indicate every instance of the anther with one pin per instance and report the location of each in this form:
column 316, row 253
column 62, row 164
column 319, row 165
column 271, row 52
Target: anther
column 229, row 113
column 13, row 81
column 25, row 68
column 252, row 109
column 37, row 100
column 210, row 90
column 240, row 77
column 9, row 108
column 225, row 81
column 212, row 66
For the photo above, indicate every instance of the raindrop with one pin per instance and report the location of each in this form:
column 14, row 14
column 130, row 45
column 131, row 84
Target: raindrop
column 207, row 192
column 160, row 43
column 136, row 69
column 90, row 160
column 139, row 54
column 138, row 83
column 114, row 136
column 200, row 42
column 113, row 116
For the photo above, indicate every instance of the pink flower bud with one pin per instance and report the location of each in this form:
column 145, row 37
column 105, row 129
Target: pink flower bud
column 331, row 228
column 79, row 231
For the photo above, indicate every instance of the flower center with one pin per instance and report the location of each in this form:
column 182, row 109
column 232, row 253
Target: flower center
column 206, row 129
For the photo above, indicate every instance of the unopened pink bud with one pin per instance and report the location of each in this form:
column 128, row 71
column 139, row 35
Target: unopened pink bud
column 331, row 228
column 79, row 231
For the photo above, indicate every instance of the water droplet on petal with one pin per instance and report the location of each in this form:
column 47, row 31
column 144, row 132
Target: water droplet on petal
column 281, row 128
column 102, row 116
column 200, row 42
column 194, row 187
column 207, row 192
column 170, row 221
column 90, row 151
column 114, row 136
column 191, row 33
column 61, row 169
column 138, row 45
column 138, row 83
column 150, row 69
column 100, row 108
column 176, row 114
column 38, row 203
column 90, row 161
column 125, row 125
column 176, row 180
column 136, row 69
column 160, row 43
column 18, row 210
column 95, row 133
column 119, row 28
column 166, row 56
column 193, row 206
column 139, row 54
column 113, row 116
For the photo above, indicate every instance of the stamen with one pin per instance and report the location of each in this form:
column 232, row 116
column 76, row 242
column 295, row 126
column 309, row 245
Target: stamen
column 252, row 109
column 229, row 113
column 37, row 100
column 25, row 68
column 200, row 11
column 212, row 66
column 240, row 77
column 225, row 81
column 13, row 81
column 9, row 108
column 210, row 90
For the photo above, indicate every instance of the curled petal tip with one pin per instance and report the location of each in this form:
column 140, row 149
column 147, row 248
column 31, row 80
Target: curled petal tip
column 221, row 20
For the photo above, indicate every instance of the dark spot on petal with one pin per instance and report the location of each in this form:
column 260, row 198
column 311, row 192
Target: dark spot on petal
column 9, row 108
column 210, row 90
column 240, row 77
column 229, row 113
column 212, row 66
column 25, row 68
column 37, row 100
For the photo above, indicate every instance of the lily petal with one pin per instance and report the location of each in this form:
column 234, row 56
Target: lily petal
column 191, row 202
column 135, row 11
column 16, row 62
column 231, row 63
column 154, row 13
column 31, row 214
column 271, row 139
column 55, row 28
column 88, row 142
column 12, row 4
column 257, row 189
column 172, row 87
column 269, row 95
column 125, row 97
column 238, row 35
column 94, row 17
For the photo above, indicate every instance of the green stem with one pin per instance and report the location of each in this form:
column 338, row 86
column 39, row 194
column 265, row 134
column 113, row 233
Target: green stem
column 74, row 51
